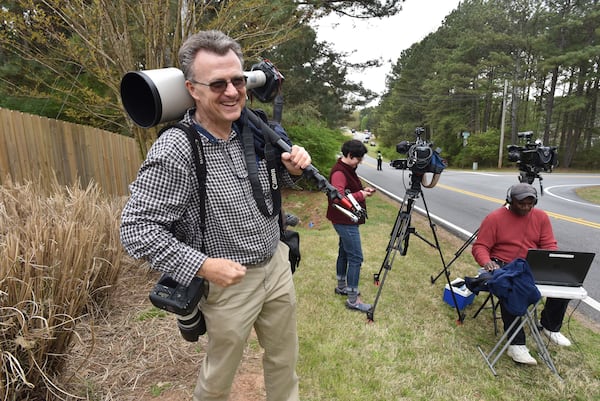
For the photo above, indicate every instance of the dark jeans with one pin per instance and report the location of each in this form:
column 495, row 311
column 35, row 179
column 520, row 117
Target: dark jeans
column 551, row 318
column 350, row 256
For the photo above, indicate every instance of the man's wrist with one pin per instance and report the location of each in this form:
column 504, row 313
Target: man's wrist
column 201, row 270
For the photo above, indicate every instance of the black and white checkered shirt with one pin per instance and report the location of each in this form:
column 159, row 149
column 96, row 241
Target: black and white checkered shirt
column 161, row 220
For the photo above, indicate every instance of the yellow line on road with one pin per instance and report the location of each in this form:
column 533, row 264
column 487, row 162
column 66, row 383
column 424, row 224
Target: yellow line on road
column 501, row 201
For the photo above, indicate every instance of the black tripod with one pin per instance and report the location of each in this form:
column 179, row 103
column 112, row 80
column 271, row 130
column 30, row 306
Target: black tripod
column 399, row 240
column 456, row 256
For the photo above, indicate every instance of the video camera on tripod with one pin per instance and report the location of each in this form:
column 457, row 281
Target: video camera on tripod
column 421, row 159
column 532, row 158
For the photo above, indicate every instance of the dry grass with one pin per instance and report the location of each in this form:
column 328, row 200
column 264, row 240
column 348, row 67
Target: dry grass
column 60, row 255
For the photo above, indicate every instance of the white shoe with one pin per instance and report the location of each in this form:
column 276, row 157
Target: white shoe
column 557, row 338
column 520, row 354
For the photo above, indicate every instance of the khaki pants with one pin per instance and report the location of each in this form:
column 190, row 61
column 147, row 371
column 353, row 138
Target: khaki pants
column 265, row 300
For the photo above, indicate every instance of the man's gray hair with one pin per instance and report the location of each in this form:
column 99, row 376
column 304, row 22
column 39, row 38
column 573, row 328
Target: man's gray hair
column 213, row 41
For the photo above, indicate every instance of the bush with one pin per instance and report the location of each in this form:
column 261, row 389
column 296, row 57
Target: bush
column 322, row 143
column 481, row 148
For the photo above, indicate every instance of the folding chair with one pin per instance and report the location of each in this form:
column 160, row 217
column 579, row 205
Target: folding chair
column 477, row 285
column 494, row 306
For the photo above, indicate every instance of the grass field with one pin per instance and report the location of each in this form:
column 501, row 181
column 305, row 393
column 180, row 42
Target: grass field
column 415, row 349
column 123, row 349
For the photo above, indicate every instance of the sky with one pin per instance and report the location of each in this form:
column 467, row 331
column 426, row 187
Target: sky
column 385, row 38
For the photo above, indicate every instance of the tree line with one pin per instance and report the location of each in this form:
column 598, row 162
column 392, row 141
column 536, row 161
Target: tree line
column 545, row 52
column 65, row 58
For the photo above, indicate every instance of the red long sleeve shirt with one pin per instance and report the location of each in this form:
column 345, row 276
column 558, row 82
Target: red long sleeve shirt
column 504, row 235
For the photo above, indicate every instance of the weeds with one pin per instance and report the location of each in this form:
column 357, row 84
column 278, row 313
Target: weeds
column 60, row 256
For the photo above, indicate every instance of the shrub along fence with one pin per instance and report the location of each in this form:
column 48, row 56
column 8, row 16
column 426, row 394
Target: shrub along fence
column 60, row 255
column 34, row 148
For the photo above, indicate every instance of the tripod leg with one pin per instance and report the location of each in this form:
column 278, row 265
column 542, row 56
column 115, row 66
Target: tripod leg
column 399, row 236
column 398, row 239
column 405, row 229
column 461, row 316
column 456, row 255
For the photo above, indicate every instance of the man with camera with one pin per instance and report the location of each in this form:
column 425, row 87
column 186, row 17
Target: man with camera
column 237, row 251
column 508, row 233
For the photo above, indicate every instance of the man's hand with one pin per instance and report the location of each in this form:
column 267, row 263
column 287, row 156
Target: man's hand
column 296, row 160
column 222, row 272
column 491, row 266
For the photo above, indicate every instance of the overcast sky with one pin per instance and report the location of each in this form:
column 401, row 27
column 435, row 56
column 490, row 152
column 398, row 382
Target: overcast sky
column 383, row 38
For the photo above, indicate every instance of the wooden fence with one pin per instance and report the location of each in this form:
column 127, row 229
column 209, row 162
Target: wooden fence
column 35, row 148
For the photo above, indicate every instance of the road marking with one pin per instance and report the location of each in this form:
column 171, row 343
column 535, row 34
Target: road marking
column 549, row 191
column 592, row 303
column 484, row 197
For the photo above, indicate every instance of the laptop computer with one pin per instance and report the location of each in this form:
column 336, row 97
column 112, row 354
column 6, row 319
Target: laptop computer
column 560, row 268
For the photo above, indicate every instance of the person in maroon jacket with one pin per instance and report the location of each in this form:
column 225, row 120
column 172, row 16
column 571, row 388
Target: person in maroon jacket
column 350, row 257
column 508, row 233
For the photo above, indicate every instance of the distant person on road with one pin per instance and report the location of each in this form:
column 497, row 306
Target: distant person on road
column 350, row 257
column 508, row 233
column 379, row 160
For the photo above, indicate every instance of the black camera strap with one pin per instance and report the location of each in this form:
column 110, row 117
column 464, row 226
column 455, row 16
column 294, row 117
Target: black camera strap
column 252, row 166
column 200, row 167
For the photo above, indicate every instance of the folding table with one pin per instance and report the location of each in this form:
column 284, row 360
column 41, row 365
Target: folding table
column 548, row 291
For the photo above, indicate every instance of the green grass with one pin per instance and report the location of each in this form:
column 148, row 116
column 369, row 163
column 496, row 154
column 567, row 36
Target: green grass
column 415, row 349
column 591, row 194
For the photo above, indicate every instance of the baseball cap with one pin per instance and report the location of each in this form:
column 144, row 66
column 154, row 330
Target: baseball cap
column 522, row 191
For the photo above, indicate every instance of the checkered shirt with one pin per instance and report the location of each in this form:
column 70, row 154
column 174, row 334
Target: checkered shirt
column 161, row 220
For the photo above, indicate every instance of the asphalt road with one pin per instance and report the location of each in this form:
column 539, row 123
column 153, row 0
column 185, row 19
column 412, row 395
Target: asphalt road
column 461, row 199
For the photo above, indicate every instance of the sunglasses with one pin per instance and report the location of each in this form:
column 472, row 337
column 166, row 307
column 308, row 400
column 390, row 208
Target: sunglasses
column 220, row 85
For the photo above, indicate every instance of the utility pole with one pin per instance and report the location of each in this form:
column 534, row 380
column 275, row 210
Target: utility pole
column 502, row 125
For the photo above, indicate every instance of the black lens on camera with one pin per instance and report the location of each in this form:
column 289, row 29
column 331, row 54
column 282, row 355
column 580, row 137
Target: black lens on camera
column 192, row 326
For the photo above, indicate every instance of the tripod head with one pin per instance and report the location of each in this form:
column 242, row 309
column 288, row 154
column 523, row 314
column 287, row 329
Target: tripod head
column 529, row 177
column 416, row 185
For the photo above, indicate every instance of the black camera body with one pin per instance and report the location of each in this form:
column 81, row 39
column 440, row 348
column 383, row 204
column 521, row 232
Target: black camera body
column 421, row 157
column 400, row 164
column 532, row 157
column 173, row 297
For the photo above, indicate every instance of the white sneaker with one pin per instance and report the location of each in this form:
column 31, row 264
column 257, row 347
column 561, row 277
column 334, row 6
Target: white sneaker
column 520, row 354
column 557, row 338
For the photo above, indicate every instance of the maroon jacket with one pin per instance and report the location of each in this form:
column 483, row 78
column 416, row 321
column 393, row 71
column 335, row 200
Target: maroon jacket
column 343, row 177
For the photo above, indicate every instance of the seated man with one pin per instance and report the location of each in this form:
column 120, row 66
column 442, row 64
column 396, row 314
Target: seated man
column 508, row 233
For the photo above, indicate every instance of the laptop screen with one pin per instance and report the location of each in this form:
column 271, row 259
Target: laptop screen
column 561, row 268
